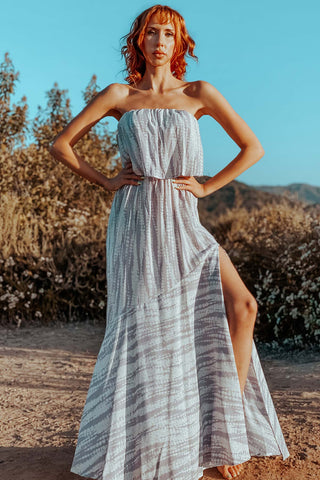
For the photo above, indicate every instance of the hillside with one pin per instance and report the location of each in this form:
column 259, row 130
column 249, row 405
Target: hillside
column 240, row 195
column 234, row 195
column 303, row 191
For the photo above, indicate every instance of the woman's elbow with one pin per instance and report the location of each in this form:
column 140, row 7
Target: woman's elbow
column 259, row 149
column 55, row 148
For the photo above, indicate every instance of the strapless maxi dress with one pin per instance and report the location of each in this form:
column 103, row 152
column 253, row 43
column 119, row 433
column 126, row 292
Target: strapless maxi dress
column 164, row 402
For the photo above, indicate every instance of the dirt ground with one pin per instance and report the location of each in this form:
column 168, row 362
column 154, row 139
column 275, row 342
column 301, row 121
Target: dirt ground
column 45, row 375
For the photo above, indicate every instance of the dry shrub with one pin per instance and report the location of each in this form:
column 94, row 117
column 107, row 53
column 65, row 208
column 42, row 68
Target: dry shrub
column 276, row 249
column 52, row 239
column 52, row 222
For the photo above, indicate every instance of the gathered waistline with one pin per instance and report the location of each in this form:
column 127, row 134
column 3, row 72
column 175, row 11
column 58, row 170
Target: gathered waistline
column 157, row 178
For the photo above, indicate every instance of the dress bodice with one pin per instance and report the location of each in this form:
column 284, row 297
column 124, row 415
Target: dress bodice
column 161, row 142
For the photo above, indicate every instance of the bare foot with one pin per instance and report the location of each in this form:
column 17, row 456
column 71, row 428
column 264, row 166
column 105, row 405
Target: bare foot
column 230, row 471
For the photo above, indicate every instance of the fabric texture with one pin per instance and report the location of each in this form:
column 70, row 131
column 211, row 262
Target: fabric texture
column 164, row 399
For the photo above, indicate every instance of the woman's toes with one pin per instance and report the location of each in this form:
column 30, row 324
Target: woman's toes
column 223, row 469
column 239, row 468
column 233, row 471
column 230, row 471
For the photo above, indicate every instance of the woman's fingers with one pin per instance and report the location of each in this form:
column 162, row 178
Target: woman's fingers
column 130, row 174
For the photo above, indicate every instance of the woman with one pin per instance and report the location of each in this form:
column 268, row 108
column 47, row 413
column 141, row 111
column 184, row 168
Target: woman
column 177, row 386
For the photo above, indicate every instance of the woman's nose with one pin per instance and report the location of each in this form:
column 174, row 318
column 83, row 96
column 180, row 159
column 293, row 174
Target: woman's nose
column 160, row 39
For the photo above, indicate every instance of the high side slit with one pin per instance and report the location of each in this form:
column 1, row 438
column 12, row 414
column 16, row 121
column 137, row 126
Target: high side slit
column 164, row 400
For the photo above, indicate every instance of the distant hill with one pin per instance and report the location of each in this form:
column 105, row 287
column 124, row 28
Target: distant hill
column 239, row 194
column 235, row 194
column 303, row 191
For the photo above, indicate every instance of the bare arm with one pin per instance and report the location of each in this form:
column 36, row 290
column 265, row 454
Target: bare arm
column 61, row 148
column 216, row 105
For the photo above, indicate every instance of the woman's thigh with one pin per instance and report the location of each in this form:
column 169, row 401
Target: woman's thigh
column 237, row 298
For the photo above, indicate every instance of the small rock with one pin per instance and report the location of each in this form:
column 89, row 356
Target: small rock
column 302, row 456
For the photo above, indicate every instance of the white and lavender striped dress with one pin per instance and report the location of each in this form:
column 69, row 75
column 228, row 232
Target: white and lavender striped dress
column 164, row 401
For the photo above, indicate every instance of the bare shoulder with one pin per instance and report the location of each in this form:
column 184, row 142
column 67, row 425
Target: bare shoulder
column 203, row 94
column 116, row 91
column 211, row 101
column 203, row 85
column 209, row 96
column 198, row 87
column 110, row 98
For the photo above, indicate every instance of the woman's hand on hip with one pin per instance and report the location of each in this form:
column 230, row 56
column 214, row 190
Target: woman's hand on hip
column 190, row 184
column 126, row 176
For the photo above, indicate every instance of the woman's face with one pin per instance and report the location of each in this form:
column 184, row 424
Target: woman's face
column 159, row 42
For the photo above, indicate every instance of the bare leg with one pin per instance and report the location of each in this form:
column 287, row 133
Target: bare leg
column 241, row 308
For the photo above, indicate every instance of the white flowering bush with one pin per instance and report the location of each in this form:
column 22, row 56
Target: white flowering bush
column 276, row 250
column 48, row 290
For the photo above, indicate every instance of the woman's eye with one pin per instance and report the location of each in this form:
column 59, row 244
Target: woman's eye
column 150, row 32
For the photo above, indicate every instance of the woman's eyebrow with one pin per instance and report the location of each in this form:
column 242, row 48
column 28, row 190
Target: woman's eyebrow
column 155, row 28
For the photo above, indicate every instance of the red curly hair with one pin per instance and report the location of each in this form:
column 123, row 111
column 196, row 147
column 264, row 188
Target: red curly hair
column 135, row 61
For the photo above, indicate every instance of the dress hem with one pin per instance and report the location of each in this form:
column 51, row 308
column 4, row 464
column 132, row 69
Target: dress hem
column 203, row 467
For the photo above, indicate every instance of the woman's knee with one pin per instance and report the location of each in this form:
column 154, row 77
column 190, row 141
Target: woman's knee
column 252, row 305
column 245, row 312
column 241, row 306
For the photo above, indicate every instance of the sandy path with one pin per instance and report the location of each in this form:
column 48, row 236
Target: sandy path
column 45, row 377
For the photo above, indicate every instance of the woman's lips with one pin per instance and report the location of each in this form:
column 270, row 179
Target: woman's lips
column 157, row 54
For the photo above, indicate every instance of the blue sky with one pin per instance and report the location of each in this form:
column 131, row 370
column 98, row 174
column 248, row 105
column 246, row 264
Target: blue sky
column 262, row 56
